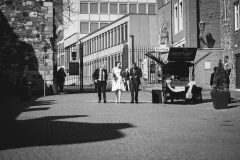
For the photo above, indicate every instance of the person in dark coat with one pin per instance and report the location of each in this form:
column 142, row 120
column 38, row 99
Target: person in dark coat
column 126, row 76
column 26, row 84
column 212, row 76
column 100, row 77
column 135, row 75
column 61, row 79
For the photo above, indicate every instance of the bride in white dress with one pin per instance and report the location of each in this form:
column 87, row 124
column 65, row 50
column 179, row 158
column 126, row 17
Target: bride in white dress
column 117, row 82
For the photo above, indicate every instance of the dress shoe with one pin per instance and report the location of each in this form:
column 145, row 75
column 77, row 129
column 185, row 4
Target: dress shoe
column 136, row 102
column 105, row 101
column 132, row 102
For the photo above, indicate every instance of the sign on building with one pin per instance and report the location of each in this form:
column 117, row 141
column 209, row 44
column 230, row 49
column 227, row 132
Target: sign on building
column 162, row 48
column 145, row 68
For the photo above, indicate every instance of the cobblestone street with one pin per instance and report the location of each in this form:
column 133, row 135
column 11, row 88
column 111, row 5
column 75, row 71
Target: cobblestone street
column 77, row 127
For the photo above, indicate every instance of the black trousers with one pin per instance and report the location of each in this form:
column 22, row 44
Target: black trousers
column 134, row 87
column 101, row 86
column 60, row 86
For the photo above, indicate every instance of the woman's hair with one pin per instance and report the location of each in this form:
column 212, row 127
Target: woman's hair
column 117, row 63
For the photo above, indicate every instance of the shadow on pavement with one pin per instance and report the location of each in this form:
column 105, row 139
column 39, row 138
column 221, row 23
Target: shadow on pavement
column 53, row 130
column 50, row 130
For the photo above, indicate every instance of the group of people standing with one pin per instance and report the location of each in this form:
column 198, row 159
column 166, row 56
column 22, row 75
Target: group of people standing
column 227, row 67
column 121, row 81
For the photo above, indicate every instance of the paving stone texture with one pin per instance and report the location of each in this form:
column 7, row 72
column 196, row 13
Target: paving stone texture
column 77, row 127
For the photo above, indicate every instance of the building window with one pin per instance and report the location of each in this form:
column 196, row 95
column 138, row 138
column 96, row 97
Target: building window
column 151, row 9
column 180, row 15
column 91, row 44
column 102, row 24
column 123, row 9
column 103, row 38
column 100, row 42
column 94, row 8
column 84, row 8
column 225, row 10
column 111, row 37
column 104, row 8
column 84, row 27
column 115, row 36
column 106, row 43
column 93, row 26
column 132, row 8
column 142, row 8
column 74, row 56
column 118, row 31
column 113, row 8
column 94, row 45
column 236, row 16
column 122, row 34
column 176, row 18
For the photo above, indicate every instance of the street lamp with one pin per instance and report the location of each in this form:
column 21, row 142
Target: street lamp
column 132, row 36
column 201, row 26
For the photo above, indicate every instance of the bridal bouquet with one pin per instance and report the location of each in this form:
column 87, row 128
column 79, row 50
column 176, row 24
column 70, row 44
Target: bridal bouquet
column 114, row 77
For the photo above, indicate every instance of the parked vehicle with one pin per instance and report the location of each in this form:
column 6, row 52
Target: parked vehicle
column 178, row 75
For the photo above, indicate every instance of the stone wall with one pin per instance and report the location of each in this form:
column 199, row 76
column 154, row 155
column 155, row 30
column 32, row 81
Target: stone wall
column 30, row 22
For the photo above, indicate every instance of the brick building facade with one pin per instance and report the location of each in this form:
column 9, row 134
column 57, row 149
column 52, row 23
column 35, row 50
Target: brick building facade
column 191, row 23
column 230, row 37
column 26, row 27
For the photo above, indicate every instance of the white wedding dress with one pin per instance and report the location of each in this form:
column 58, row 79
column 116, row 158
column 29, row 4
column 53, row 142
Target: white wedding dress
column 117, row 83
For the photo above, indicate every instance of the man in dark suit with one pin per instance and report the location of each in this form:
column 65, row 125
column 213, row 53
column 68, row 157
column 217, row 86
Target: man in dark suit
column 135, row 75
column 100, row 78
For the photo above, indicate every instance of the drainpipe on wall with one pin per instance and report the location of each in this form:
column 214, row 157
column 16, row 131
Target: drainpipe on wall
column 171, row 24
column 198, row 21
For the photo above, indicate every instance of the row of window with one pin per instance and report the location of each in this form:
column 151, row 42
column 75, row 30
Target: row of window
column 106, row 40
column 236, row 13
column 237, row 16
column 88, row 27
column 89, row 67
column 178, row 17
column 117, row 8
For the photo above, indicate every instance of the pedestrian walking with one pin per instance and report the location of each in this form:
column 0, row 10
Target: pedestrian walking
column 26, row 84
column 61, row 79
column 135, row 75
column 117, row 82
column 126, row 79
column 100, row 77
column 227, row 67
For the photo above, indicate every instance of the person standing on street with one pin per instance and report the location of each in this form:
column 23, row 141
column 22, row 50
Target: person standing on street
column 126, row 79
column 227, row 67
column 117, row 82
column 61, row 79
column 212, row 76
column 100, row 77
column 26, row 84
column 135, row 75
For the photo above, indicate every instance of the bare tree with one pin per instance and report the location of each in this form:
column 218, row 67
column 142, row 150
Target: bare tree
column 62, row 12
